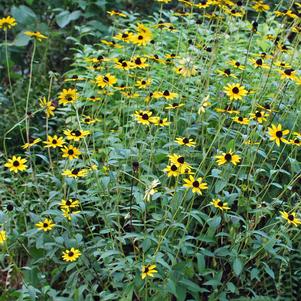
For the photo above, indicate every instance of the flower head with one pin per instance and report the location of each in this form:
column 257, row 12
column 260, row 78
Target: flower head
column 7, row 23
column 45, row 225
column 148, row 270
column 16, row 164
column 71, row 255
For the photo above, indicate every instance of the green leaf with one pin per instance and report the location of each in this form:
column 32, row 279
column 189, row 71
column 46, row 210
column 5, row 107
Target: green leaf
column 65, row 17
column 237, row 266
column 23, row 14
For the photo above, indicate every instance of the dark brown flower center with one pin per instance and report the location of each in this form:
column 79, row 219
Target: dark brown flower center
column 70, row 254
column 70, row 152
column 220, row 204
column 196, row 184
column 68, row 202
column 138, row 61
column 290, row 217
column 185, row 140
column 228, row 157
column 16, row 163
column 235, row 90
column 75, row 171
column 145, row 117
column 181, row 160
column 166, row 93
column 227, row 71
column 76, row 133
column 106, row 79
column 173, row 167
column 258, row 114
column 140, row 37
column 143, row 82
column 279, row 134
column 54, row 141
column 240, row 118
column 259, row 62
column 45, row 225
column 237, row 64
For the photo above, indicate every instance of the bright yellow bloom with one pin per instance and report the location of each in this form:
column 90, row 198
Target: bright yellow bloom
column 107, row 80
column 148, row 271
column 235, row 91
column 16, row 164
column 185, row 141
column 291, row 218
column 277, row 134
column 47, row 106
column 3, row 237
column 75, row 173
column 45, row 225
column 36, row 35
column 30, row 144
column 71, row 255
column 70, row 152
column 197, row 185
column 7, row 23
column 217, row 203
column 68, row 96
column 227, row 158
column 76, row 135
column 54, row 141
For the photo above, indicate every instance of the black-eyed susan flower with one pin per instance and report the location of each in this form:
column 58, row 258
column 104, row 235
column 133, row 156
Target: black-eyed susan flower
column 7, row 23
column 228, row 109
column 161, row 121
column 75, row 173
column 139, row 62
column 112, row 44
column 68, row 96
column 70, row 203
column 74, row 78
column 148, row 271
column 123, row 64
column 76, row 135
column 89, row 120
column 174, row 105
column 235, row 91
column 144, row 117
column 228, row 157
column 143, row 36
column 195, row 184
column 48, row 106
column 282, row 64
column 260, row 6
column 16, row 164
column 259, row 63
column 217, row 203
column 236, row 64
column 124, row 36
column 227, row 73
column 54, row 141
column 203, row 4
column 185, row 141
column 287, row 74
column 116, row 13
column 241, row 120
column 291, row 218
column 107, row 80
column 70, row 152
column 71, row 255
column 45, row 225
column 70, row 212
column 173, row 170
column 143, row 83
column 259, row 116
column 179, row 161
column 36, row 35
column 277, row 134
column 295, row 141
column 3, row 236
column 31, row 143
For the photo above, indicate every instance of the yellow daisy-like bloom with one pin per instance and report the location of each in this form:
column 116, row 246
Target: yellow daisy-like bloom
column 259, row 63
column 228, row 109
column 179, row 161
column 235, row 91
column 283, row 64
column 166, row 94
column 148, row 271
column 68, row 213
column 290, row 218
column 260, row 6
column 70, row 152
column 197, row 185
column 143, row 37
column 217, row 203
column 203, row 4
column 36, row 35
column 71, row 255
column 144, row 117
column 112, row 44
column 185, row 141
column 259, row 116
column 54, row 141
column 139, row 62
column 75, row 173
column 241, row 120
column 3, row 237
column 76, row 135
column 7, row 23
column 173, row 170
column 161, row 121
column 237, row 65
column 174, row 105
column 277, row 134
column 47, row 106
column 45, row 225
column 143, row 83
column 226, row 73
column 107, row 80
column 288, row 74
column 30, row 144
column 124, row 36
column 228, row 157
column 116, row 13
column 69, row 204
column 68, row 96
column 16, row 164
column 296, row 141
column 123, row 64
column 90, row 120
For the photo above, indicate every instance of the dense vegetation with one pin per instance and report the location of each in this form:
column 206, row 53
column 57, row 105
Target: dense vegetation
column 150, row 150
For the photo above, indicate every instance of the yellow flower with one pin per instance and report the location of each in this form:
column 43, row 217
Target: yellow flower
column 161, row 121
column 226, row 73
column 107, row 80
column 47, row 106
column 69, row 204
column 217, row 203
column 241, row 120
column 260, row 6
column 30, row 144
column 227, row 158
column 70, row 152
column 143, row 37
column 288, row 74
column 259, row 116
column 3, row 237
column 71, row 255
column 116, row 13
column 75, row 173
column 148, row 270
column 237, row 64
column 277, row 134
column 54, row 141
column 173, row 170
column 16, row 164
column 7, row 23
column 36, row 35
column 197, row 185
column 259, row 63
column 235, row 91
column 45, row 225
column 179, row 161
column 144, row 117
column 143, row 83
column 174, row 105
column 291, row 218
column 76, row 135
column 68, row 96
column 139, row 62
column 124, row 36
column 185, row 141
